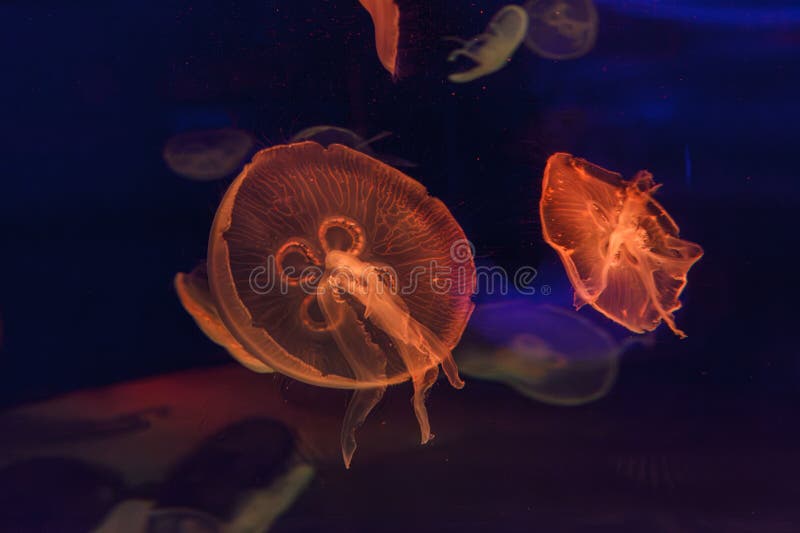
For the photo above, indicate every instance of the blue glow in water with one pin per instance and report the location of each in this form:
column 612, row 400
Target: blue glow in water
column 756, row 15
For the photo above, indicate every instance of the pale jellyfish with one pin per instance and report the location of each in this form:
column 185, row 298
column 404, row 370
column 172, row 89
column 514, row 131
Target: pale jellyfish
column 620, row 248
column 492, row 49
column 208, row 154
column 561, row 29
column 319, row 268
column 327, row 135
column 386, row 20
column 543, row 352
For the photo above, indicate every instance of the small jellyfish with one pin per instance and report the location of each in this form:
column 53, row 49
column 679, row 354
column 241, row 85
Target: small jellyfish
column 543, row 352
column 561, row 29
column 208, row 154
column 327, row 135
column 196, row 299
column 386, row 20
column 619, row 247
column 320, row 268
column 492, row 49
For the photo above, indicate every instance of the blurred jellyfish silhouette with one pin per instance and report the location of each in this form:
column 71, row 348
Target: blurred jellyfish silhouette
column 620, row 248
column 492, row 49
column 326, row 135
column 386, row 20
column 319, row 268
column 208, row 155
column 561, row 29
column 543, row 352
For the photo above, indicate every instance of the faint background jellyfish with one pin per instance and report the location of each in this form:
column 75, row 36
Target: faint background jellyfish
column 543, row 352
column 561, row 29
column 386, row 20
column 491, row 50
column 620, row 248
column 208, row 154
column 347, row 233
column 326, row 135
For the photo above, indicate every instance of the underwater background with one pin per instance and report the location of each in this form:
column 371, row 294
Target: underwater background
column 704, row 94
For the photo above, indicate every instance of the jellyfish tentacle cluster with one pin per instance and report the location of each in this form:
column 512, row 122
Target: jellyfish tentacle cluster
column 620, row 248
column 492, row 49
column 326, row 265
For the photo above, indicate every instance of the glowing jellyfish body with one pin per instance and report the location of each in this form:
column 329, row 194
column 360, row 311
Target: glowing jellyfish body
column 386, row 20
column 320, row 267
column 492, row 49
column 209, row 154
column 543, row 352
column 561, row 29
column 620, row 248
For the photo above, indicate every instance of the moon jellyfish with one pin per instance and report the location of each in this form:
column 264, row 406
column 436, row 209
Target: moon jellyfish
column 208, row 154
column 321, row 267
column 543, row 352
column 386, row 20
column 561, row 29
column 492, row 49
column 327, row 135
column 620, row 248
column 196, row 299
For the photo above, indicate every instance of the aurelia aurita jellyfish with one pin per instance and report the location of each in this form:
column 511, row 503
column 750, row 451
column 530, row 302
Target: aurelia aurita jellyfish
column 544, row 352
column 196, row 299
column 561, row 29
column 386, row 20
column 620, row 248
column 320, row 267
column 492, row 49
column 327, row 135
column 208, row 154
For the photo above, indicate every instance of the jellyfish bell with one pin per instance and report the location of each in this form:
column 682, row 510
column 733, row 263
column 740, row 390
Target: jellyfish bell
column 620, row 248
column 543, row 352
column 492, row 49
column 386, row 21
column 208, row 155
column 349, row 243
column 561, row 29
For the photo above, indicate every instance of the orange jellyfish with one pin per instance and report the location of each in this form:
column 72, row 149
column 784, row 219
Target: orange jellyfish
column 337, row 270
column 208, row 154
column 620, row 248
column 386, row 20
column 561, row 29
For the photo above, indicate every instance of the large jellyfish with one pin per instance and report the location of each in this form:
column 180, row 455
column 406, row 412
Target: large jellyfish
column 386, row 20
column 340, row 271
column 541, row 351
column 207, row 155
column 620, row 248
column 492, row 49
column 561, row 29
column 326, row 135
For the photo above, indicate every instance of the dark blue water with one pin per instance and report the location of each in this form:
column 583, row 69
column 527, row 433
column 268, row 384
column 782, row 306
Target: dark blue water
column 93, row 225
